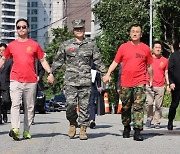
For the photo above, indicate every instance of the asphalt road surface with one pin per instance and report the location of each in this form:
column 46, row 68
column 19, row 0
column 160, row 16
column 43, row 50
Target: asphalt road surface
column 49, row 136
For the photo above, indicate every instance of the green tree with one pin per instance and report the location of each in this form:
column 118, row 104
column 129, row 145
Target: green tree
column 60, row 35
column 167, row 24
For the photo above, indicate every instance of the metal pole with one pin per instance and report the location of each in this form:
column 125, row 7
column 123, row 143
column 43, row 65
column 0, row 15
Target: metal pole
column 151, row 23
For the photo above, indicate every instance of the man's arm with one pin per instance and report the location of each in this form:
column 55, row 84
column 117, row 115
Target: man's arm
column 112, row 67
column 150, row 72
column 167, row 81
column 47, row 68
column 2, row 61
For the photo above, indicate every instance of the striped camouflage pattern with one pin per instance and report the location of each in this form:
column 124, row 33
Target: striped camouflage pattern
column 78, row 95
column 133, row 100
column 76, row 58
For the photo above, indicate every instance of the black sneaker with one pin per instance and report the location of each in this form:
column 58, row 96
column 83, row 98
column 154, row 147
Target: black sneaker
column 92, row 124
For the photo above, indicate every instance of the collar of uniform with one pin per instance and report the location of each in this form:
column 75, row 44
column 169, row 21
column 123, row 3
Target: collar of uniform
column 84, row 41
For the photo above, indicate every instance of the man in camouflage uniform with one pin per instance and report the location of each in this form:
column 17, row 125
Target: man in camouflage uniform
column 76, row 53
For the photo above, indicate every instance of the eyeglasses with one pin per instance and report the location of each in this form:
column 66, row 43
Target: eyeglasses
column 23, row 27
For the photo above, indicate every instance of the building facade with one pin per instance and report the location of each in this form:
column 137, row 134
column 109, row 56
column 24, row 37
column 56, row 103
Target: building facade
column 10, row 11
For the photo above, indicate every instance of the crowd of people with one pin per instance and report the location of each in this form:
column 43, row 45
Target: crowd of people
column 144, row 75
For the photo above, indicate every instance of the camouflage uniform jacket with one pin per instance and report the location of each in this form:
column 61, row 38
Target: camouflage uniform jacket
column 76, row 57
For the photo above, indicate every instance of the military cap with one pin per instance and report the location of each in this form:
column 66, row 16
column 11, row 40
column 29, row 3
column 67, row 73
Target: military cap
column 78, row 23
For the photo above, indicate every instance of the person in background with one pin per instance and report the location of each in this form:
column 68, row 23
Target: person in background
column 40, row 73
column 156, row 92
column 174, row 82
column 4, row 85
column 23, row 78
column 136, row 60
column 77, row 53
column 96, row 89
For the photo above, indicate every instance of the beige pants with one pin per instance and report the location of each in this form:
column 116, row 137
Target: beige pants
column 26, row 92
column 154, row 95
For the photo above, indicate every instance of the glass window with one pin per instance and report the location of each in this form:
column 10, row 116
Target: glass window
column 33, row 19
column 34, row 11
column 34, row 26
column 34, row 4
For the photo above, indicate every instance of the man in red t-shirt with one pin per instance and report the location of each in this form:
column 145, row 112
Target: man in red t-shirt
column 23, row 78
column 156, row 93
column 136, row 59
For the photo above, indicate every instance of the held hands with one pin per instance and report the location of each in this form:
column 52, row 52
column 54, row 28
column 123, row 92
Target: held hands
column 106, row 78
column 172, row 86
column 50, row 79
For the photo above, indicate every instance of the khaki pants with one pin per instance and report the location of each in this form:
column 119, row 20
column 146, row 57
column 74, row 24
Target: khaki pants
column 26, row 92
column 154, row 95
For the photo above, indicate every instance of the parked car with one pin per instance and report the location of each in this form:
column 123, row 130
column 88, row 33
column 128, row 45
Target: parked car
column 58, row 102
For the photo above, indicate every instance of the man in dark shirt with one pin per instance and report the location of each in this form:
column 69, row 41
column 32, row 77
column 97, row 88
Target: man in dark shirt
column 5, row 102
column 174, row 81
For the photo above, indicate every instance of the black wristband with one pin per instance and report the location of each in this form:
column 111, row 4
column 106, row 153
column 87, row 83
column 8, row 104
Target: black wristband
column 50, row 73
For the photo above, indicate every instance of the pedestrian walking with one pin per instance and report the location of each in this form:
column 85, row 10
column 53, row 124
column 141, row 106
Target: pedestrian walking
column 136, row 60
column 23, row 78
column 77, row 53
column 174, row 83
column 96, row 90
column 5, row 102
column 155, row 94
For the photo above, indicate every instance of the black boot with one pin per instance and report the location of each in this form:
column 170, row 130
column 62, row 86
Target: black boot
column 126, row 132
column 137, row 135
column 0, row 119
column 170, row 125
column 5, row 118
column 4, row 112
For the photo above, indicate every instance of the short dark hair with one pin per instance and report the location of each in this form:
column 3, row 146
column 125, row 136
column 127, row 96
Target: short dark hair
column 3, row 45
column 22, row 19
column 135, row 25
column 157, row 42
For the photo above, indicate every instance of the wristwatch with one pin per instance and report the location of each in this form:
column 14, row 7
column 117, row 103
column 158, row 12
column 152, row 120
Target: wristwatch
column 49, row 73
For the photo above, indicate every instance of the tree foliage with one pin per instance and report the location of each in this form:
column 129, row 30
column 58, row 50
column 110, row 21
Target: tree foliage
column 168, row 26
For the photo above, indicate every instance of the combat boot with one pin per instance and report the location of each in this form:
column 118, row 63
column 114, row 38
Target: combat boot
column 170, row 125
column 137, row 135
column 72, row 129
column 126, row 132
column 83, row 135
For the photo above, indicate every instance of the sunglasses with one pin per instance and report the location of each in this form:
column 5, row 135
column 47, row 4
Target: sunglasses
column 23, row 27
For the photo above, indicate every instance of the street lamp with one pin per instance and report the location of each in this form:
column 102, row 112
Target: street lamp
column 151, row 23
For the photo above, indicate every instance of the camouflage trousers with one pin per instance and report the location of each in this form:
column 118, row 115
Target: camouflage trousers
column 77, row 95
column 133, row 101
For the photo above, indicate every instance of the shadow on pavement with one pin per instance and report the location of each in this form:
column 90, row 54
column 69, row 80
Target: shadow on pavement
column 5, row 132
column 46, row 122
column 47, row 135
column 96, row 135
column 103, row 126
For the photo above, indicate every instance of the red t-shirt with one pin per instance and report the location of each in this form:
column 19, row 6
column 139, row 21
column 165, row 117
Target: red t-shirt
column 160, row 65
column 135, row 59
column 23, row 54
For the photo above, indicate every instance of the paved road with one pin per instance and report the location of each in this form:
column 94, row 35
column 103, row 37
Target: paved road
column 49, row 136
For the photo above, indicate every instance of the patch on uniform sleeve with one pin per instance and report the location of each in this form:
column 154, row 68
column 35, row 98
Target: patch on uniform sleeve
column 71, row 49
